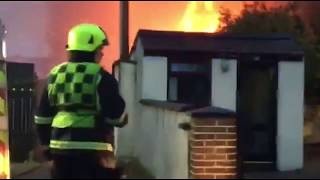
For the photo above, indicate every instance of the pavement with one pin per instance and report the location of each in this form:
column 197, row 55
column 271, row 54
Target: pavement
column 134, row 170
column 310, row 170
column 23, row 168
column 40, row 172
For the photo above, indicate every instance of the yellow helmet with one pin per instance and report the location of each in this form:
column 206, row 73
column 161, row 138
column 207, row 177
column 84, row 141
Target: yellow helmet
column 86, row 37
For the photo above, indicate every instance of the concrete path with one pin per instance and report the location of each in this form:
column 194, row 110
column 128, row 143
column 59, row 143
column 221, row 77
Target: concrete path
column 311, row 170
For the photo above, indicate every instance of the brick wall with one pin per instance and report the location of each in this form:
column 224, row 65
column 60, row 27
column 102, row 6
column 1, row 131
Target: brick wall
column 213, row 148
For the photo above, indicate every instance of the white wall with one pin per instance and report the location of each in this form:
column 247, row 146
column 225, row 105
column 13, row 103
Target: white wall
column 138, row 52
column 224, row 84
column 154, row 78
column 152, row 135
column 130, row 88
column 163, row 147
column 127, row 85
column 290, row 116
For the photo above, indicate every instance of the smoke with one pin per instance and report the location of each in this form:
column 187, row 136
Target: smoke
column 309, row 13
column 41, row 30
column 37, row 31
column 64, row 15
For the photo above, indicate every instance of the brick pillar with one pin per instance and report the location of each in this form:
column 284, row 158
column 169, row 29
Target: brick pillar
column 213, row 148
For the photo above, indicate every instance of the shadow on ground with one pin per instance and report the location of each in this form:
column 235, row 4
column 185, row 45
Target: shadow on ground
column 134, row 169
column 311, row 168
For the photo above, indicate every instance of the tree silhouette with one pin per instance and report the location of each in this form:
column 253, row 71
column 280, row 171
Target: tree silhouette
column 257, row 18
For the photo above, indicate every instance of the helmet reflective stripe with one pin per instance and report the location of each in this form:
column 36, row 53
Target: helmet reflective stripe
column 86, row 37
column 56, row 144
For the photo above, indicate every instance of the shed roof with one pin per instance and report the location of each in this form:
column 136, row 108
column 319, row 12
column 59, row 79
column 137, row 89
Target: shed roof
column 176, row 41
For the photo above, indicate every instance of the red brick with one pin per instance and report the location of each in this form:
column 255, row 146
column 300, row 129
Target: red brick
column 202, row 176
column 225, row 177
column 210, row 129
column 214, row 170
column 197, row 143
column 215, row 157
column 231, row 156
column 226, row 150
column 202, row 150
column 225, row 163
column 202, row 163
column 197, row 156
column 197, row 170
column 227, row 122
column 225, row 136
column 203, row 136
column 220, row 170
column 232, row 143
column 231, row 170
column 215, row 143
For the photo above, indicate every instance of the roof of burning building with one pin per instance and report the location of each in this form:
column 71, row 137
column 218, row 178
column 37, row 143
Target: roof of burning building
column 175, row 41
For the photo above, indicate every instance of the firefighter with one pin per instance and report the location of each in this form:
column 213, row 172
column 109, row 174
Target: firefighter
column 80, row 106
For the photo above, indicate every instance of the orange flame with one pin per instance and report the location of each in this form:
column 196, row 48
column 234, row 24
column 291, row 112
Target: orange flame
column 4, row 161
column 200, row 17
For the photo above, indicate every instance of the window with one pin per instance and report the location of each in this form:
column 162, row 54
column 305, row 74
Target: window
column 187, row 68
column 190, row 83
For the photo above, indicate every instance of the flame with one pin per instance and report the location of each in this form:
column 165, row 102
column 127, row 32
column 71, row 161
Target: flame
column 200, row 17
column 4, row 161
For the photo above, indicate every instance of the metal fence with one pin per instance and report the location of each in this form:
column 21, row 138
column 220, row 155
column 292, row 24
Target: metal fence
column 20, row 109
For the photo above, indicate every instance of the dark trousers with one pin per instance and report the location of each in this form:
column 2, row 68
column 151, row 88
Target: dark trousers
column 80, row 167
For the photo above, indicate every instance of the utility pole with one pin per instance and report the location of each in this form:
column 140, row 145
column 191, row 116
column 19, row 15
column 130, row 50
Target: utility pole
column 124, row 50
column 124, row 30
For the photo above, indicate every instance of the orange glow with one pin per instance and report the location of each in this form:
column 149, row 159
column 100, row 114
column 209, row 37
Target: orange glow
column 1, row 165
column 62, row 15
column 4, row 162
column 200, row 17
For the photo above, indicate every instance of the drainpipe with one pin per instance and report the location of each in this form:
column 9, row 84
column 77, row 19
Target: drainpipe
column 124, row 49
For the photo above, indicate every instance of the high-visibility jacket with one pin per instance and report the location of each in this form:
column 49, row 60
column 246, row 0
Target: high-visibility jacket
column 78, row 98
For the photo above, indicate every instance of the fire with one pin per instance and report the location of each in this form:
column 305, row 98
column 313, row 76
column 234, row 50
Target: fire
column 200, row 17
column 4, row 161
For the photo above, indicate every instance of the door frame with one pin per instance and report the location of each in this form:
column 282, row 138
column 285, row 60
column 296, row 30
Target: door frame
column 257, row 166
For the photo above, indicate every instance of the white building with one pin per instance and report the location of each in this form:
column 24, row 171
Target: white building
column 260, row 77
